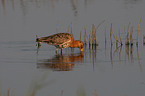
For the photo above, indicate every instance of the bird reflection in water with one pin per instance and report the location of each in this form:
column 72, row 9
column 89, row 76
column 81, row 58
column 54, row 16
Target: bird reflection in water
column 61, row 62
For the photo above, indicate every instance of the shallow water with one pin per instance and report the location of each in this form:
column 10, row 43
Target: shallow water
column 104, row 70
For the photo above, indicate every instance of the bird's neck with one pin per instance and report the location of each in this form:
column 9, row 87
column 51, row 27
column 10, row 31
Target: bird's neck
column 74, row 44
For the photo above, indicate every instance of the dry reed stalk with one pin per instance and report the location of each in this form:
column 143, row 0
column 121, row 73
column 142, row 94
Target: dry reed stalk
column 80, row 35
column 120, row 36
column 93, row 34
column 138, row 30
column 4, row 6
column 71, row 27
column 8, row 92
column 125, row 34
column 105, row 36
column 57, row 28
column 13, row 93
column 68, row 28
column 131, row 32
column 85, row 36
column 61, row 93
column 95, row 39
column 95, row 93
column 117, row 39
column 127, row 37
column 61, row 29
column 114, row 35
column 128, row 30
column 111, row 34
column 90, row 39
column 95, row 42
column 100, row 24
column 144, row 39
column 34, row 91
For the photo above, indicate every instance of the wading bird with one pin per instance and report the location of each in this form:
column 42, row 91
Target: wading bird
column 61, row 40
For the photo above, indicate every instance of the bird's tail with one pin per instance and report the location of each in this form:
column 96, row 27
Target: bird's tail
column 38, row 39
column 42, row 39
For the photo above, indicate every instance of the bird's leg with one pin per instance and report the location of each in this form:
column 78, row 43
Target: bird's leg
column 61, row 50
column 39, row 44
column 56, row 50
column 72, row 49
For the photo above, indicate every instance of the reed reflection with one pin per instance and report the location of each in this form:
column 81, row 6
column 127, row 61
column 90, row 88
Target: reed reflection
column 61, row 62
column 131, row 53
column 111, row 57
column 127, row 51
column 120, row 53
column 74, row 6
column 140, row 66
column 3, row 6
column 24, row 5
column 113, row 54
column 91, row 53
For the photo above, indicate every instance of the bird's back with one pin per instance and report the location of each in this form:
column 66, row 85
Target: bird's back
column 58, row 40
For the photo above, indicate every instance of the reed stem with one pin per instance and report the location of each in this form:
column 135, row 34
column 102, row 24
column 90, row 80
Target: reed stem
column 111, row 34
column 105, row 36
column 138, row 30
column 114, row 35
column 117, row 39
column 125, row 34
column 90, row 39
column 100, row 24
column 131, row 32
column 85, row 36
column 8, row 92
column 68, row 28
column 120, row 36
column 80, row 35
column 127, row 39
column 71, row 27
column 61, row 29
column 143, row 39
column 93, row 34
column 57, row 27
column 95, row 39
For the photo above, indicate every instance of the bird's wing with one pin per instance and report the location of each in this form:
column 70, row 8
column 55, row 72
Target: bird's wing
column 57, row 39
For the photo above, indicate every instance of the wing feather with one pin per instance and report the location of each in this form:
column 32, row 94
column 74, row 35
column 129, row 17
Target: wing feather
column 57, row 39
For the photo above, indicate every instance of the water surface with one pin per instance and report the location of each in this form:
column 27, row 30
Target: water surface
column 104, row 70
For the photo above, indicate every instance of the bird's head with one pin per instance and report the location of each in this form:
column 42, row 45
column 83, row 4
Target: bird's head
column 79, row 45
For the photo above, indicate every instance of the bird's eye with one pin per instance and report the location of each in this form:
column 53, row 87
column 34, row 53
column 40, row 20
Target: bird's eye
column 81, row 46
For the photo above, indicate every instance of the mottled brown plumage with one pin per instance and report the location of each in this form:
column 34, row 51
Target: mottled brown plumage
column 61, row 40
